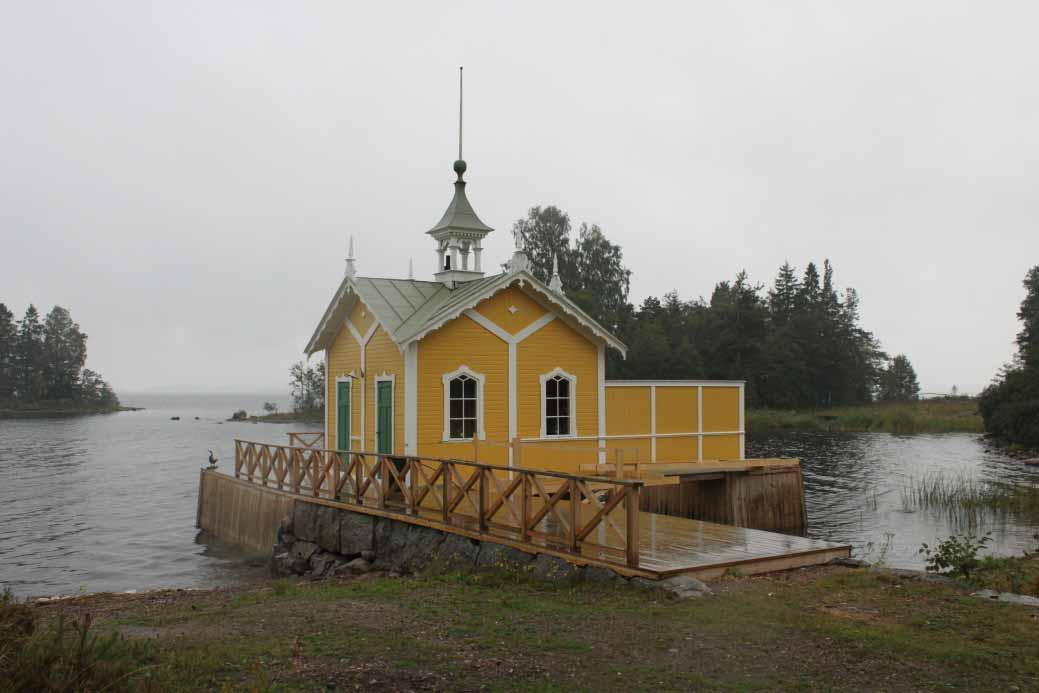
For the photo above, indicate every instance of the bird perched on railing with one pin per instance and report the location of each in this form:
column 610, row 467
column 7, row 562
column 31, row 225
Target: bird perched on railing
column 212, row 459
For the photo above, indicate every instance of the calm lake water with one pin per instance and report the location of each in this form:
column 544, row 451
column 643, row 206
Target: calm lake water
column 108, row 502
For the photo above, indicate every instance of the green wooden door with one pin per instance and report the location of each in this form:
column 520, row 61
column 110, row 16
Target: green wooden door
column 343, row 416
column 384, row 418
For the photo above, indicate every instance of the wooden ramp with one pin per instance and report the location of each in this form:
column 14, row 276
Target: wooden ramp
column 584, row 520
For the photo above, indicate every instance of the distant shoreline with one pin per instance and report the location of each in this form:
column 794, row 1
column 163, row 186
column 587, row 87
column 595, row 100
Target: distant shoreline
column 942, row 415
column 62, row 411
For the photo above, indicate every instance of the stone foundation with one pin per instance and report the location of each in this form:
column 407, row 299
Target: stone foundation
column 319, row 541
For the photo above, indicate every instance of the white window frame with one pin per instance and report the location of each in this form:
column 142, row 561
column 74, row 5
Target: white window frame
column 559, row 372
column 481, row 380
column 349, row 378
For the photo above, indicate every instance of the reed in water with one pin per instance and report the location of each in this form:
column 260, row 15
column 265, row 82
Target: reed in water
column 969, row 500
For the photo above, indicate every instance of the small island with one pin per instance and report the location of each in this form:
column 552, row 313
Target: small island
column 43, row 368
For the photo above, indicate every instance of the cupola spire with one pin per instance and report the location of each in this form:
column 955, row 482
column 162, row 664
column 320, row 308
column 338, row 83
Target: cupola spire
column 459, row 233
column 351, row 269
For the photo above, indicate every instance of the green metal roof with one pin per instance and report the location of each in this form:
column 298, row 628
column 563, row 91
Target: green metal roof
column 459, row 214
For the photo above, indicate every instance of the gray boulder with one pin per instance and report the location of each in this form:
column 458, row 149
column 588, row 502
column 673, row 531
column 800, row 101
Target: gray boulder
column 421, row 545
column 321, row 563
column 681, row 586
column 327, row 528
column 1009, row 598
column 305, row 522
column 356, row 534
column 549, row 567
column 597, row 575
column 455, row 552
column 497, row 557
column 358, row 566
column 303, row 550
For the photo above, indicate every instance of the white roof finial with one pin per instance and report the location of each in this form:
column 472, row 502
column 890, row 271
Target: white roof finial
column 351, row 269
column 411, row 268
column 519, row 262
column 555, row 283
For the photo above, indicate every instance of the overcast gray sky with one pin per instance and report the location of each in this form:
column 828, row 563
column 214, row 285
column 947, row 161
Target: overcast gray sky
column 184, row 176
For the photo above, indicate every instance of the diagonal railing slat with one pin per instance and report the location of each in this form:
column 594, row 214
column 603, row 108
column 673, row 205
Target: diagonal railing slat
column 531, row 507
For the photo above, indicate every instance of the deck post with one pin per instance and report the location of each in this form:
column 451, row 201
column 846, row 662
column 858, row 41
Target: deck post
column 237, row 459
column 574, row 508
column 483, row 497
column 631, row 503
column 358, row 478
column 384, row 480
column 525, row 508
column 447, row 491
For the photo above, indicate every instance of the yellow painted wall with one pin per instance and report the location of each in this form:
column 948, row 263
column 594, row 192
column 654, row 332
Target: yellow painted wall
column 463, row 342
column 557, row 345
column 628, row 412
column 721, row 447
column 343, row 356
column 496, row 309
column 721, row 409
column 676, row 413
column 382, row 357
column 361, row 318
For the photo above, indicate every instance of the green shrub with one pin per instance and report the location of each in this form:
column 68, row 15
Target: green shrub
column 60, row 657
column 956, row 555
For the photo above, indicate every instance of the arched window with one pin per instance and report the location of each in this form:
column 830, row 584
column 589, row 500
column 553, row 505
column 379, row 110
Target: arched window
column 557, row 404
column 463, row 405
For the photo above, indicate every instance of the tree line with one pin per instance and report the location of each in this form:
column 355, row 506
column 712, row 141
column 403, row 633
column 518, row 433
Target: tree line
column 44, row 360
column 798, row 343
column 1010, row 405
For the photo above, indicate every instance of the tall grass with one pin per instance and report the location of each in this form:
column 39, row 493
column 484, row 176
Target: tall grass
column 924, row 416
column 968, row 501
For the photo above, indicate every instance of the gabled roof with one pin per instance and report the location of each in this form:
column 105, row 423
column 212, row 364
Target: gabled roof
column 409, row 310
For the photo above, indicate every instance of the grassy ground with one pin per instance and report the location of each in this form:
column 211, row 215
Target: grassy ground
column 829, row 628
column 924, row 416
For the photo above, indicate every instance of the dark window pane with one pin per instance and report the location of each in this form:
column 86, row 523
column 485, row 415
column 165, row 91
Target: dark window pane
column 552, row 426
column 456, row 409
column 551, row 407
column 456, row 429
column 550, row 388
column 470, row 388
column 564, row 387
column 456, row 387
column 468, row 428
column 564, row 407
column 564, row 425
column 469, row 408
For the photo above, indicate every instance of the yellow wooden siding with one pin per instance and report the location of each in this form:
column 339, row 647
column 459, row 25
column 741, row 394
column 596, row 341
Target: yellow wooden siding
column 721, row 410
column 556, row 345
column 463, row 342
column 383, row 357
column 627, row 412
column 343, row 356
column 496, row 309
column 676, row 413
column 361, row 318
column 721, row 447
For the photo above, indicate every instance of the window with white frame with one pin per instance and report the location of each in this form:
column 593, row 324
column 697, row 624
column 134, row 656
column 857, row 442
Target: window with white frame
column 463, row 405
column 557, row 404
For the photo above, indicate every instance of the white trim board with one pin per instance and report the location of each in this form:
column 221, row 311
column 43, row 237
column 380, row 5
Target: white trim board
column 446, row 379
column 411, row 399
column 544, row 378
column 675, row 383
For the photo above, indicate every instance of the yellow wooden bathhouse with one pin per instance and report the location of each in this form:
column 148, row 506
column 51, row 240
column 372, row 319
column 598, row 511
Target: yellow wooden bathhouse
column 502, row 367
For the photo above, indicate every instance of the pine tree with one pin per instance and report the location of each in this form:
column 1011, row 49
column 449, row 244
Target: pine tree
column 8, row 345
column 1028, row 338
column 898, row 382
column 64, row 354
column 29, row 377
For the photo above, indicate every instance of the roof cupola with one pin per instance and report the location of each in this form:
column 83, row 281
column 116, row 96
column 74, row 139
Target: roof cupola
column 459, row 234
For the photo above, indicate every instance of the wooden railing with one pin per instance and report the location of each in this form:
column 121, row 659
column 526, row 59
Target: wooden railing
column 582, row 515
column 307, row 439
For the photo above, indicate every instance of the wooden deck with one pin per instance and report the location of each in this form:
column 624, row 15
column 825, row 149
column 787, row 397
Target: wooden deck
column 584, row 520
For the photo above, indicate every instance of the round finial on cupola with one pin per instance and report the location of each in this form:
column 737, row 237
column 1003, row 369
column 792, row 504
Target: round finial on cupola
column 460, row 168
